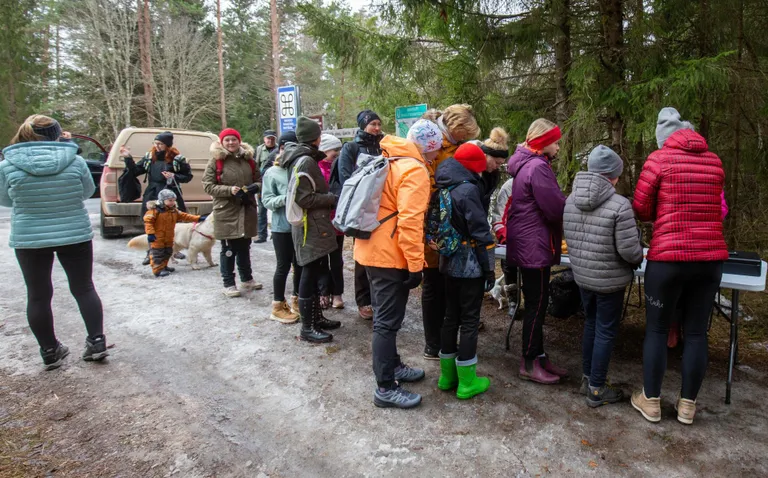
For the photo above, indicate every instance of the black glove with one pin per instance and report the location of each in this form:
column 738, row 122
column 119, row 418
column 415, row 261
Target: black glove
column 203, row 218
column 490, row 280
column 151, row 238
column 413, row 280
column 245, row 196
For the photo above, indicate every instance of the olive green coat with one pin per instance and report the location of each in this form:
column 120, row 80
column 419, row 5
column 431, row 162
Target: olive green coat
column 234, row 220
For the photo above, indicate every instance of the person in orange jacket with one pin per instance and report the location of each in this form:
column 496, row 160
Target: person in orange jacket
column 457, row 124
column 160, row 226
column 394, row 259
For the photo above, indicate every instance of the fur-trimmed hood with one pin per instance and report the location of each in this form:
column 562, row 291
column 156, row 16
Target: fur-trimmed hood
column 169, row 156
column 219, row 152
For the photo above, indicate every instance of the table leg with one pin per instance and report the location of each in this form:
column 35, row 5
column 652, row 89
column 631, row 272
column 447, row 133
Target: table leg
column 734, row 343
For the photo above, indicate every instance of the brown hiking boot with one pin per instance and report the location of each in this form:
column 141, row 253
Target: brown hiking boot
column 282, row 313
column 365, row 312
column 686, row 409
column 650, row 408
column 295, row 305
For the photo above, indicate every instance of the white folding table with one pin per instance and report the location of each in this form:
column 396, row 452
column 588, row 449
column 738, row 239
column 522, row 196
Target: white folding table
column 735, row 282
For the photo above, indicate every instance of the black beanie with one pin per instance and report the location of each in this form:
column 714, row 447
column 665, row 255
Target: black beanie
column 307, row 130
column 365, row 117
column 52, row 132
column 287, row 137
column 166, row 138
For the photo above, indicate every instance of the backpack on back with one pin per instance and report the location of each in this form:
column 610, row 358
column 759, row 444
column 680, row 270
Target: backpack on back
column 294, row 213
column 439, row 230
column 358, row 208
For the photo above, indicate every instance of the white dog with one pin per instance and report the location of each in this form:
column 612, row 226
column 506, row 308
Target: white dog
column 196, row 237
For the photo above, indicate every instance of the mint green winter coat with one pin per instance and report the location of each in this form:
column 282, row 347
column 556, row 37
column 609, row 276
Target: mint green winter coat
column 46, row 183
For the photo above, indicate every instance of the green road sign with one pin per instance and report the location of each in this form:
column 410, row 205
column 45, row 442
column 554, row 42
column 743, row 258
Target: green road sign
column 405, row 116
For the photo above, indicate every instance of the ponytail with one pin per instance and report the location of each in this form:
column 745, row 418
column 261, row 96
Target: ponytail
column 26, row 132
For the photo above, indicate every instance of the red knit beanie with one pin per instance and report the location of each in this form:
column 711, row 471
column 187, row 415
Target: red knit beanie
column 229, row 132
column 471, row 157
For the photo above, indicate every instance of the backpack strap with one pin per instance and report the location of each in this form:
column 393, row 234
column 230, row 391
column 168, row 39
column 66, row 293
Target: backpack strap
column 219, row 169
column 252, row 164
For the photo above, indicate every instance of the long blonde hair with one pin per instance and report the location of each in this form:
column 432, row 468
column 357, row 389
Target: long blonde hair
column 461, row 123
column 538, row 128
column 26, row 133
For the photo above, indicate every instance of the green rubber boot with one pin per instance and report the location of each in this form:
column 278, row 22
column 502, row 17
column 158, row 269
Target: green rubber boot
column 448, row 378
column 469, row 383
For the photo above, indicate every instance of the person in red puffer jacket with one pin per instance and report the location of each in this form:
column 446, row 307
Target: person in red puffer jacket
column 680, row 191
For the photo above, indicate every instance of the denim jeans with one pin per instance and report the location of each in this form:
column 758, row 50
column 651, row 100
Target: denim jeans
column 262, row 219
column 603, row 313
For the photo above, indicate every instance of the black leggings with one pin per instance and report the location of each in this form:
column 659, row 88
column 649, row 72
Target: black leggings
column 283, row 243
column 310, row 275
column 36, row 266
column 332, row 282
column 536, row 296
column 693, row 286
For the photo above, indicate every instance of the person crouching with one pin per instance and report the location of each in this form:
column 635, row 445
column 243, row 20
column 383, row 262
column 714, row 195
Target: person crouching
column 160, row 226
column 604, row 248
column 469, row 272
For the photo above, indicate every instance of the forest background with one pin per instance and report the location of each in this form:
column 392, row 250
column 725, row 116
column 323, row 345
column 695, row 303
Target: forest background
column 601, row 68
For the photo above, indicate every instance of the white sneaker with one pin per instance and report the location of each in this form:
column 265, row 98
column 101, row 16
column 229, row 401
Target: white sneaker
column 231, row 291
column 252, row 285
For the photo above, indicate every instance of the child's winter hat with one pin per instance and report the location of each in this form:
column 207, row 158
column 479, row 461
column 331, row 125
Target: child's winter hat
column 165, row 194
column 669, row 122
column 426, row 135
column 498, row 144
column 603, row 160
column 471, row 157
column 329, row 142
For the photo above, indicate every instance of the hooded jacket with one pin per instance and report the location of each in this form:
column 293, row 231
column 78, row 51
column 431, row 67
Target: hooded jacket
column 431, row 257
column 602, row 236
column 470, row 219
column 46, row 183
column 234, row 219
column 535, row 217
column 399, row 242
column 319, row 238
column 680, row 191
column 274, row 188
column 498, row 218
column 161, row 221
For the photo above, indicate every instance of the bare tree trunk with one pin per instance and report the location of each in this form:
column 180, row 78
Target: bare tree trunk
column 275, row 24
column 341, row 103
column 221, row 67
column 12, row 110
column 612, row 20
column 46, row 61
column 58, row 59
column 734, row 176
column 561, row 12
column 145, row 53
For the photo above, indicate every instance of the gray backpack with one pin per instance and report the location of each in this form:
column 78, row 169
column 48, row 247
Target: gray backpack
column 358, row 208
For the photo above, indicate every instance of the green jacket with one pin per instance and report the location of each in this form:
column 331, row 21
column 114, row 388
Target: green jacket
column 319, row 239
column 234, row 220
column 262, row 153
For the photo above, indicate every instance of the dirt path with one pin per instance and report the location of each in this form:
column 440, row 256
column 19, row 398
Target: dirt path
column 203, row 386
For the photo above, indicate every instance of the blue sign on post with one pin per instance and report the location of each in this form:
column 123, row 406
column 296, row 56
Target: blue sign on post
column 287, row 108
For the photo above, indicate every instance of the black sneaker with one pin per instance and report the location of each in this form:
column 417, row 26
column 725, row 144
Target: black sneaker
column 603, row 396
column 404, row 373
column 163, row 273
column 431, row 354
column 146, row 261
column 584, row 388
column 179, row 256
column 54, row 358
column 395, row 398
column 95, row 348
column 260, row 240
column 170, row 269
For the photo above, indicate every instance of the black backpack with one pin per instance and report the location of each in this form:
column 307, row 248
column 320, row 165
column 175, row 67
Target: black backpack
column 128, row 186
column 564, row 296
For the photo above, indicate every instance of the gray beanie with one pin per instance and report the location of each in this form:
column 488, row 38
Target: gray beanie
column 165, row 194
column 669, row 122
column 603, row 160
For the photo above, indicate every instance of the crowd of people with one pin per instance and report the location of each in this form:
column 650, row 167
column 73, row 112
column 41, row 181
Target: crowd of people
column 436, row 229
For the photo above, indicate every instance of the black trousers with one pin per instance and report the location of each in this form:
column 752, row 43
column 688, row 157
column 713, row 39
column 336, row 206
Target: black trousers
column 433, row 307
column 536, row 296
column 235, row 252
column 509, row 271
column 389, row 299
column 464, row 299
column 310, row 275
column 362, row 286
column 332, row 283
column 693, row 286
column 286, row 256
column 77, row 262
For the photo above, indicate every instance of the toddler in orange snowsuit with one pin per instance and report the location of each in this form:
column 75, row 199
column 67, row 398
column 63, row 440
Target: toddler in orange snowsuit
column 160, row 224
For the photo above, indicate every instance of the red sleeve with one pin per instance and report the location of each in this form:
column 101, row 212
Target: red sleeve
column 647, row 190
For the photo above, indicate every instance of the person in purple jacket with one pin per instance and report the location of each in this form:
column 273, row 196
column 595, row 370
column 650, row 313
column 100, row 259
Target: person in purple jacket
column 534, row 235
